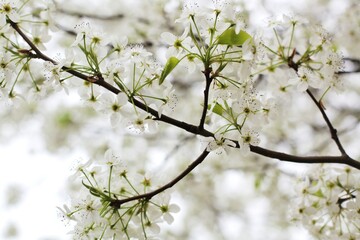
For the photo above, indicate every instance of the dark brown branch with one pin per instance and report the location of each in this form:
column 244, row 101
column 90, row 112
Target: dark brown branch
column 149, row 195
column 343, row 159
column 206, row 97
column 332, row 130
column 30, row 43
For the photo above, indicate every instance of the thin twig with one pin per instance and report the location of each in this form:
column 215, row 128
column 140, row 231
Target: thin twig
column 206, row 97
column 332, row 130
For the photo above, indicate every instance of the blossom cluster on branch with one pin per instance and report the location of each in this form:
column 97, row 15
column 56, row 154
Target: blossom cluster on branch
column 328, row 203
column 246, row 83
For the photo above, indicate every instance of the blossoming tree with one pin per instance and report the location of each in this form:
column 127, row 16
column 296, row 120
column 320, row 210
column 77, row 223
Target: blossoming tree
column 179, row 99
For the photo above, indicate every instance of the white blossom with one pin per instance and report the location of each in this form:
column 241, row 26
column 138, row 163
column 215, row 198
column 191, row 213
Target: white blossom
column 8, row 8
column 248, row 137
column 113, row 105
column 219, row 144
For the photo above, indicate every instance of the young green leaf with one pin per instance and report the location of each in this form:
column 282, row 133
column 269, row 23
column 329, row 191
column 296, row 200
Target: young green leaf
column 230, row 37
column 218, row 109
column 169, row 66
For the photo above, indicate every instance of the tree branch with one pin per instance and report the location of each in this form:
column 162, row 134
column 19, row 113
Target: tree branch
column 343, row 159
column 261, row 151
column 206, row 97
column 332, row 130
column 149, row 195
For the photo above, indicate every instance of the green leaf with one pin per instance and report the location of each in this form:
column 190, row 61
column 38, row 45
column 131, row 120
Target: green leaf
column 218, row 109
column 169, row 66
column 229, row 37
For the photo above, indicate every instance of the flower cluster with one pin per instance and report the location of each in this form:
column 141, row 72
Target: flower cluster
column 246, row 76
column 306, row 53
column 329, row 203
column 215, row 41
column 233, row 62
column 20, row 79
column 130, row 68
column 95, row 212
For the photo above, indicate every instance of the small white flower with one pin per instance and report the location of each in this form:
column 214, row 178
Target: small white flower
column 113, row 105
column 319, row 36
column 253, row 49
column 139, row 123
column 7, row 68
column 40, row 36
column 111, row 159
column 119, row 44
column 170, row 103
column 89, row 94
column 52, row 71
column 223, row 91
column 79, row 167
column 290, row 20
column 88, row 208
column 219, row 144
column 332, row 63
column 98, row 38
column 65, row 214
column 270, row 109
column 83, row 29
column 177, row 44
column 166, row 208
column 305, row 78
column 136, row 54
column 235, row 17
column 247, row 106
column 248, row 137
column 152, row 226
column 190, row 10
column 9, row 8
column 279, row 81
